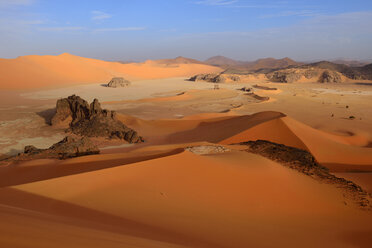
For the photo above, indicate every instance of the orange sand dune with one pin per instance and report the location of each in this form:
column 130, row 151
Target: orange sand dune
column 337, row 152
column 273, row 130
column 231, row 200
column 328, row 151
column 197, row 128
column 33, row 71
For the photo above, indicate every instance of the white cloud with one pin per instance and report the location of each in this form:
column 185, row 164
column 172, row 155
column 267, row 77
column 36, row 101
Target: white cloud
column 99, row 15
column 119, row 29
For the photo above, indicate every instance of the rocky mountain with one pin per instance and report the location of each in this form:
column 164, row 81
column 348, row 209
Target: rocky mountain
column 75, row 114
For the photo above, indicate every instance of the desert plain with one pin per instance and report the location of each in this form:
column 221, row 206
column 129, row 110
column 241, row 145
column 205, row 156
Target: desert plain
column 230, row 159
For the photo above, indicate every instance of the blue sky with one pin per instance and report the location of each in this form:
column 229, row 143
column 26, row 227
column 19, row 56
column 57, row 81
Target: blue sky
column 150, row 29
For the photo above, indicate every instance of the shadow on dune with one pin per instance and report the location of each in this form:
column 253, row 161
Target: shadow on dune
column 54, row 211
column 18, row 174
column 219, row 130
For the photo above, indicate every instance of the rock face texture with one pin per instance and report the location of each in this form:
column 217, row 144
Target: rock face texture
column 118, row 82
column 293, row 75
column 75, row 114
column 330, row 77
column 69, row 147
column 285, row 76
column 215, row 78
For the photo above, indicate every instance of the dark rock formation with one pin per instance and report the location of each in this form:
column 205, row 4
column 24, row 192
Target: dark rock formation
column 330, row 77
column 69, row 147
column 246, row 89
column 118, row 82
column 73, row 147
column 212, row 78
column 305, row 163
column 75, row 114
column 215, row 78
column 284, row 76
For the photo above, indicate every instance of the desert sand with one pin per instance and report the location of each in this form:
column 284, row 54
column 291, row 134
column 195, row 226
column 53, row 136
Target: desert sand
column 162, row 193
column 28, row 72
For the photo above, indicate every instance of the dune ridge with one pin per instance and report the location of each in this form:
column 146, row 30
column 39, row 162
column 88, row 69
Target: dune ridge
column 34, row 71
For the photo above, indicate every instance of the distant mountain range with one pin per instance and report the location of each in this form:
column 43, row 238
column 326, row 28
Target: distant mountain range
column 260, row 64
column 178, row 60
column 353, row 63
column 353, row 69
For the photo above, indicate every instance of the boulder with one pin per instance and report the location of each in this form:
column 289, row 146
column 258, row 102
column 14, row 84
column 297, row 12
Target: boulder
column 75, row 114
column 118, row 82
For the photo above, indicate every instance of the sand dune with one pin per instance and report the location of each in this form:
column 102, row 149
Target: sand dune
column 28, row 72
column 335, row 151
column 215, row 201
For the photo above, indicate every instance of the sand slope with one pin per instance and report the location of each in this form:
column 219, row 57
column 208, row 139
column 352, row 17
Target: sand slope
column 336, row 152
column 231, row 200
column 33, row 71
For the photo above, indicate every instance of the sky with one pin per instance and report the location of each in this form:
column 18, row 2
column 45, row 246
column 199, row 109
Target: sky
column 136, row 30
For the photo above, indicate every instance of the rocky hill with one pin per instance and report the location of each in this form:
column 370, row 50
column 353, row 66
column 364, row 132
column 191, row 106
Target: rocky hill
column 323, row 71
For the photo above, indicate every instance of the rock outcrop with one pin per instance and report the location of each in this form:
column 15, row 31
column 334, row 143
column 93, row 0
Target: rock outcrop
column 308, row 74
column 75, row 114
column 118, row 82
column 215, row 78
column 285, row 76
column 69, row 147
column 330, row 77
